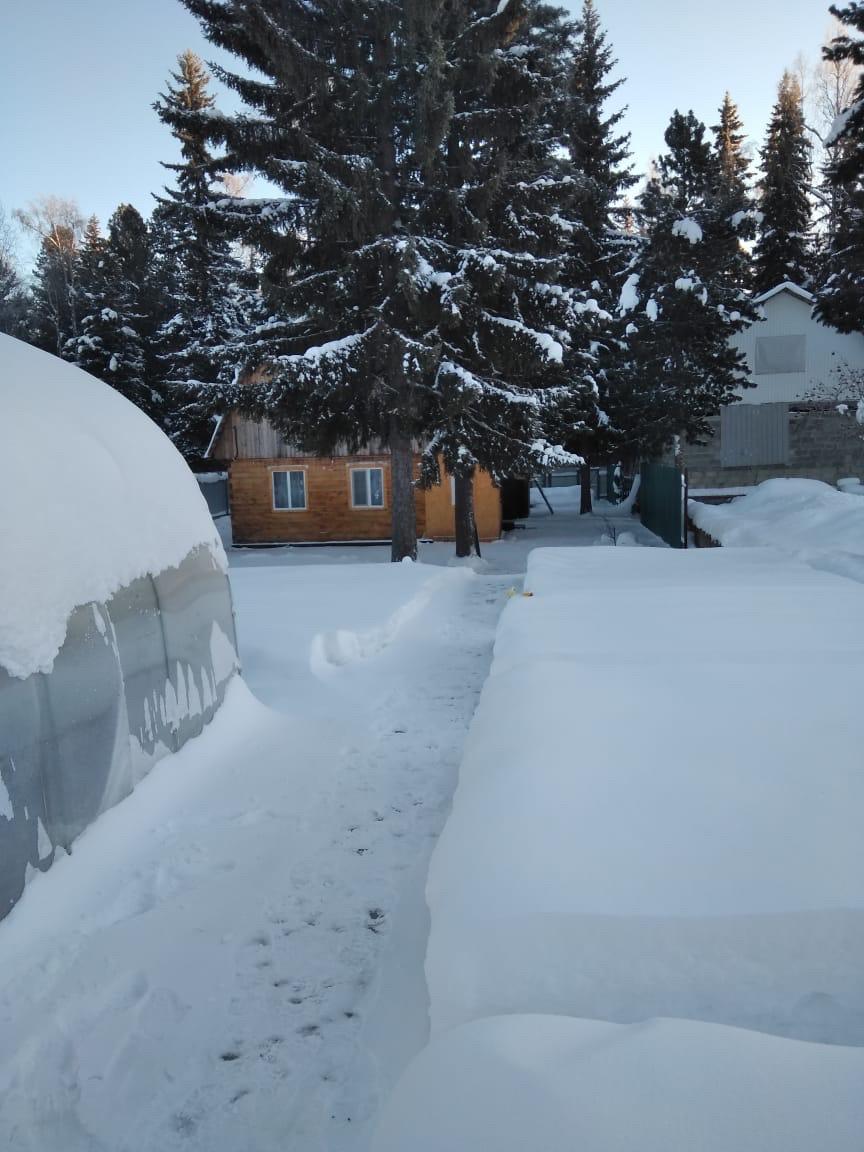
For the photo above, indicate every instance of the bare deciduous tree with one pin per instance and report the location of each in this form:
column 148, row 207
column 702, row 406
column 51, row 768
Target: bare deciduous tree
column 58, row 224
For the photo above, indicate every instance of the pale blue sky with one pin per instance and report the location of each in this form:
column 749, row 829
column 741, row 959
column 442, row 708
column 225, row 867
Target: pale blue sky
column 79, row 76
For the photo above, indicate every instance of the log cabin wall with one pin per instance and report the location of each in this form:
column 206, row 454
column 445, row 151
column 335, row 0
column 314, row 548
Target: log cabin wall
column 255, row 451
column 487, row 508
column 329, row 515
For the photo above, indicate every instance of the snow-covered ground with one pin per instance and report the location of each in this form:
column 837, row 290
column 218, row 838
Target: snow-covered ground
column 657, row 816
column 202, row 972
column 233, row 957
column 517, row 1083
column 802, row 518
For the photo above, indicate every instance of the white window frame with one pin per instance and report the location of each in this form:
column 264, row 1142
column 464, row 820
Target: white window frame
column 304, row 507
column 367, row 468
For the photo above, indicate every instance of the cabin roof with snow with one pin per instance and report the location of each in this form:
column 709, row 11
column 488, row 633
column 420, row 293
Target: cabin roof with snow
column 786, row 286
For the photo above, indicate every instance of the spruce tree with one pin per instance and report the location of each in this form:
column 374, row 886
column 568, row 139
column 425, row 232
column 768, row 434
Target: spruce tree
column 732, row 194
column 783, row 250
column 678, row 304
column 209, row 299
column 114, row 324
column 600, row 243
column 411, row 262
column 840, row 301
column 516, row 378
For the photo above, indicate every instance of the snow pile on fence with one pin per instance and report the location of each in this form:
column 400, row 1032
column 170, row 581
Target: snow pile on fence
column 657, row 816
column 93, row 496
column 804, row 518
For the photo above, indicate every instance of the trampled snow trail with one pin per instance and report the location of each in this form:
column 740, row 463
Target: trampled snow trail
column 355, row 899
column 232, row 959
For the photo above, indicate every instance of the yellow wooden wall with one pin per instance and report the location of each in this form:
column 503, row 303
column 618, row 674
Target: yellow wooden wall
column 329, row 515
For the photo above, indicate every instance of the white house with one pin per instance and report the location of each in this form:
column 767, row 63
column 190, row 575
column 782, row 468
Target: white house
column 792, row 421
column 790, row 355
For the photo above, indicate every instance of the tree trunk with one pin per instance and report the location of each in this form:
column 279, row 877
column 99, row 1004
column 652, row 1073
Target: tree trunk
column 463, row 513
column 585, row 488
column 403, row 510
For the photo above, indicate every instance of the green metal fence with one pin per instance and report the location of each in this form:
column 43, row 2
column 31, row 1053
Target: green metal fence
column 663, row 503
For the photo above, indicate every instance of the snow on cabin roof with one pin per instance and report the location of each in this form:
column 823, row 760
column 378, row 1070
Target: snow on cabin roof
column 92, row 496
column 786, row 286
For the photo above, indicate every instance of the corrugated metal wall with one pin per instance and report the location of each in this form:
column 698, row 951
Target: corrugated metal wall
column 753, row 434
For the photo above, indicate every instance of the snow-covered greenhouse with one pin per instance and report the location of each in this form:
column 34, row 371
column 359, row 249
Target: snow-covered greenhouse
column 117, row 637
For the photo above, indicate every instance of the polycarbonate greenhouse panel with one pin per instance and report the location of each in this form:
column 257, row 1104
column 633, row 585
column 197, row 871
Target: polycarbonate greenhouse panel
column 135, row 679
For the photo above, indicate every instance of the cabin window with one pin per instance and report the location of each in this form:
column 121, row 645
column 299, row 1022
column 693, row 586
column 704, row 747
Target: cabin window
column 289, row 490
column 367, row 487
column 779, row 354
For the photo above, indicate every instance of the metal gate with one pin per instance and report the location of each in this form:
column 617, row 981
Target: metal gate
column 663, row 503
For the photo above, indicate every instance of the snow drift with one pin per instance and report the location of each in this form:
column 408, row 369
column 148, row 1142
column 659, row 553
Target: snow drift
column 647, row 905
column 803, row 518
column 658, row 808
column 513, row 1083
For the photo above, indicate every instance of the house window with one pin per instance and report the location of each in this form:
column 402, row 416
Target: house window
column 779, row 354
column 367, row 487
column 289, row 490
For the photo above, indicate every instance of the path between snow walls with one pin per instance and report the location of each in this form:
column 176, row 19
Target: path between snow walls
column 231, row 959
column 657, row 819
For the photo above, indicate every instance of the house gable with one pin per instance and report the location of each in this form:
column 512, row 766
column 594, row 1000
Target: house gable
column 791, row 357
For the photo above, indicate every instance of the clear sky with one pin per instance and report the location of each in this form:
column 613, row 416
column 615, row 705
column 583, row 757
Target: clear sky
column 78, row 79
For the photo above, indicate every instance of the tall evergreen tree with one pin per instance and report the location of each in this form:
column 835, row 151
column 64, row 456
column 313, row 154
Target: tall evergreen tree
column 12, row 299
column 521, row 315
column 841, row 300
column 599, row 152
column 411, row 262
column 678, row 304
column 209, row 298
column 732, row 194
column 783, row 248
column 111, row 342
column 600, row 241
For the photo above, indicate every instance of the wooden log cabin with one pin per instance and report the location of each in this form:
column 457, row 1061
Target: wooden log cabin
column 280, row 495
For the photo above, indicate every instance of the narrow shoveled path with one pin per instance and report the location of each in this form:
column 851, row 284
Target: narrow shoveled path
column 231, row 959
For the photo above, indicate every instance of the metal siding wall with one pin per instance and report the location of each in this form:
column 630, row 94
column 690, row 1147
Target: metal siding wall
column 754, row 434
column 787, row 315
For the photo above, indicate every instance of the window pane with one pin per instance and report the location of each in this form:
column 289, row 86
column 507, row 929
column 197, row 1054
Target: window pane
column 280, row 490
column 298, row 489
column 780, row 354
column 358, row 488
column 376, row 487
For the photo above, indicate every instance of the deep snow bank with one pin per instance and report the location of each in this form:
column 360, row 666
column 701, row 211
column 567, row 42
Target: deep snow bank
column 805, row 518
column 513, row 1083
column 658, row 808
column 92, row 496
